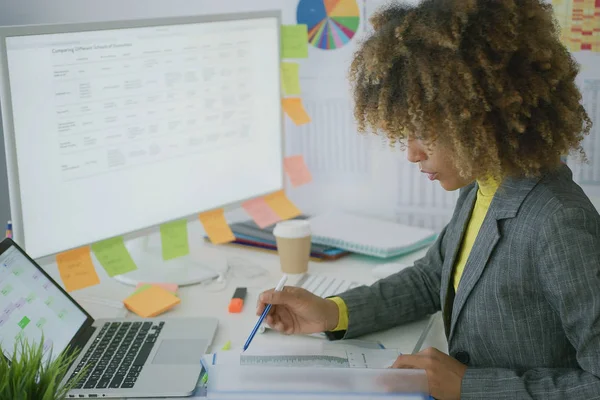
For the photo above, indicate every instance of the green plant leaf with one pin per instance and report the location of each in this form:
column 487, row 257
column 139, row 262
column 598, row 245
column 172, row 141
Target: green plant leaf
column 29, row 375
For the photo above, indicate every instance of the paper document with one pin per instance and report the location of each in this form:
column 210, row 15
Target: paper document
column 312, row 357
column 330, row 370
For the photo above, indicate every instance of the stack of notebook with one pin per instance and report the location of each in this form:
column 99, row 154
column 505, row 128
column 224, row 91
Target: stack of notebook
column 368, row 236
column 248, row 234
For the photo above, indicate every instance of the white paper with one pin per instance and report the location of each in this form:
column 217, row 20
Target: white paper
column 318, row 356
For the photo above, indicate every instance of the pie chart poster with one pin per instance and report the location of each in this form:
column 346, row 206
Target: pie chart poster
column 331, row 23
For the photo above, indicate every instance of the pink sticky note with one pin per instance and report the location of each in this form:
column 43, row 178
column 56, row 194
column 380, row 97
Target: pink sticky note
column 260, row 212
column 171, row 287
column 296, row 170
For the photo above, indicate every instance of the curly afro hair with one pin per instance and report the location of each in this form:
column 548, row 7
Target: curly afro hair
column 489, row 79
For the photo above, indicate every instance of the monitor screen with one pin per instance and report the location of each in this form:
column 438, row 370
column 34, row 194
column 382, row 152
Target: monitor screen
column 31, row 304
column 118, row 130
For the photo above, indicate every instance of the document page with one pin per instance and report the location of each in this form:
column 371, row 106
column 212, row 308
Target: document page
column 323, row 357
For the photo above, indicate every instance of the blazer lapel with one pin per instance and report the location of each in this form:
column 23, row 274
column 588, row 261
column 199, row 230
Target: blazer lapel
column 455, row 239
column 478, row 258
column 506, row 203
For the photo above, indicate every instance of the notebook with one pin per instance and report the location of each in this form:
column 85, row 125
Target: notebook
column 368, row 236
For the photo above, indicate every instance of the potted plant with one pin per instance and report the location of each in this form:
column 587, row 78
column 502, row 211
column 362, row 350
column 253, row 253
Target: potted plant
column 29, row 375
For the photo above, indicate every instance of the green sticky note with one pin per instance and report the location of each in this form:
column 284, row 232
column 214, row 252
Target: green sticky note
column 113, row 256
column 174, row 238
column 294, row 41
column 290, row 78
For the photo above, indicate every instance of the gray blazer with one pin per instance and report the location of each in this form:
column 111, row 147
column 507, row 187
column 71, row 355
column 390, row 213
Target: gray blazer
column 526, row 316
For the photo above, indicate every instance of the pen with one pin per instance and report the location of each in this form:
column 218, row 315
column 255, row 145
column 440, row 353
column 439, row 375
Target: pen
column 278, row 288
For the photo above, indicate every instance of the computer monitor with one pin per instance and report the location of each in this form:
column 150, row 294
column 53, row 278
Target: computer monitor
column 113, row 128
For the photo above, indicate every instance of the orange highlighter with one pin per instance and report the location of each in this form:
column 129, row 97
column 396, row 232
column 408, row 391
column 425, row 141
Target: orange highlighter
column 237, row 301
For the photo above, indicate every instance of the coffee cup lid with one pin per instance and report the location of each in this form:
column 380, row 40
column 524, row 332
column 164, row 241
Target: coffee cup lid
column 292, row 229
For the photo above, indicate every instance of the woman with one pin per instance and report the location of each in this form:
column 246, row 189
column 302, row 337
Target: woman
column 482, row 96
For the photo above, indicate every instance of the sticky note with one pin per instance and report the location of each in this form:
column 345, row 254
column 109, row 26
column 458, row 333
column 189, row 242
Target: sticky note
column 77, row 269
column 290, row 78
column 294, row 41
column 171, row 287
column 216, row 226
column 282, row 206
column 296, row 170
column 151, row 301
column 113, row 256
column 174, row 239
column 227, row 345
column 261, row 213
column 294, row 109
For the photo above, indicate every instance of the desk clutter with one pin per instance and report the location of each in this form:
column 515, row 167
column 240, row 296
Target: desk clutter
column 249, row 234
column 335, row 235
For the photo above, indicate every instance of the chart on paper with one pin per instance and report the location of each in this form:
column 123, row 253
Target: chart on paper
column 331, row 23
column 296, row 361
column 342, row 357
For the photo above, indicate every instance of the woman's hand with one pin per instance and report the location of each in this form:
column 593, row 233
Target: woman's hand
column 298, row 311
column 444, row 373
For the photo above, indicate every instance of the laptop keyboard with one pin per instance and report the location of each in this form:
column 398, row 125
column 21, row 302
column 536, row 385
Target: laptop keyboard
column 117, row 355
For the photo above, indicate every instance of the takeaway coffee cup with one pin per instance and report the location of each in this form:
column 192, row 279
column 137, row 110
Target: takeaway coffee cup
column 293, row 245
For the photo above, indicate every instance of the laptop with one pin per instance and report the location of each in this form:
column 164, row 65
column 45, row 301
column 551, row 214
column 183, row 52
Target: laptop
column 142, row 357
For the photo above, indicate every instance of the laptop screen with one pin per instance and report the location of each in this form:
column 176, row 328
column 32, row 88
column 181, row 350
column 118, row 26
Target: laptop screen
column 31, row 304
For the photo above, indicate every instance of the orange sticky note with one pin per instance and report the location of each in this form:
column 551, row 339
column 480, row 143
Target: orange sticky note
column 171, row 287
column 294, row 109
column 296, row 170
column 216, row 226
column 260, row 212
column 77, row 269
column 282, row 206
column 151, row 302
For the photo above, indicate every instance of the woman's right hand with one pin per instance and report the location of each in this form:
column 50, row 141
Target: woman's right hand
column 298, row 311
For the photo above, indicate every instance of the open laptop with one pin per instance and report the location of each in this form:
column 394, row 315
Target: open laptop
column 142, row 357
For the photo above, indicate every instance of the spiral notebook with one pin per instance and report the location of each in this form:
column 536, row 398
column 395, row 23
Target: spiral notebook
column 369, row 236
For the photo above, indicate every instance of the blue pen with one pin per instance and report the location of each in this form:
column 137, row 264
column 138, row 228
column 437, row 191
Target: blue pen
column 278, row 288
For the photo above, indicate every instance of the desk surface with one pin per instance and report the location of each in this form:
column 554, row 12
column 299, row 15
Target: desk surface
column 212, row 299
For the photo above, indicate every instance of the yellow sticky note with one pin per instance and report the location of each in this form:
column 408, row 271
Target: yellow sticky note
column 294, row 109
column 174, row 239
column 216, row 226
column 77, row 269
column 290, row 78
column 296, row 170
column 226, row 346
column 151, row 301
column 294, row 41
column 114, row 256
column 282, row 206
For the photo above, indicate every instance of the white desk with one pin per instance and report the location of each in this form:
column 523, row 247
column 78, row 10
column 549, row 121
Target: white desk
column 212, row 300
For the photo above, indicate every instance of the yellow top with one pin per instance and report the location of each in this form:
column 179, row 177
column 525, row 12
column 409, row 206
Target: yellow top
column 485, row 194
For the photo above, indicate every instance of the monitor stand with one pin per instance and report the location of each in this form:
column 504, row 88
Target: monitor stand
column 185, row 270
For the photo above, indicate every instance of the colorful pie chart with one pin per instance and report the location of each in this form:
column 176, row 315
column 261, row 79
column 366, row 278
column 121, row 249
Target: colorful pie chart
column 331, row 23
